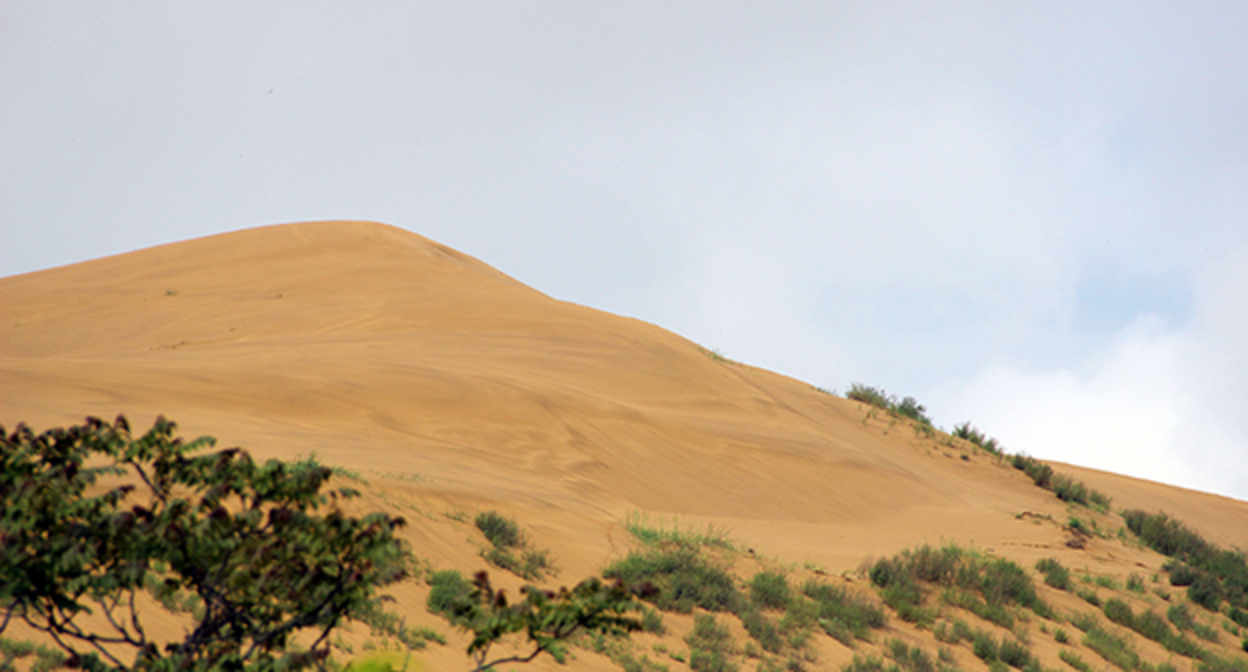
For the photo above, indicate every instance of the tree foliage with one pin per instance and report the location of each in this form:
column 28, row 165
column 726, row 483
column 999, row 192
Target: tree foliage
column 91, row 518
column 547, row 618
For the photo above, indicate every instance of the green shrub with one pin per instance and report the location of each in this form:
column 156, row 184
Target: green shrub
column 1119, row 612
column 841, row 612
column 501, row 531
column 1112, row 648
column 684, row 579
column 1014, row 653
column 910, row 659
column 1206, row 591
column 1227, row 570
column 867, row 664
column 1085, row 621
column 1183, row 646
column 1089, row 596
column 1054, row 573
column 1135, row 583
column 1181, row 575
column 908, row 407
column 447, row 589
column 710, row 646
column 639, row 525
column 652, row 622
column 998, row 582
column 1180, row 617
column 1072, row 659
column 1152, row 626
column 762, row 629
column 869, row 395
column 968, row 433
column 770, row 590
column 984, row 646
column 1060, row 636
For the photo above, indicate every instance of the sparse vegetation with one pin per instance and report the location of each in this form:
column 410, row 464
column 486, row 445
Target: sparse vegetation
column 710, row 646
column 650, row 533
column 1066, row 488
column 1072, row 659
column 1112, row 648
column 770, row 590
column 1055, row 574
column 1213, row 574
column 509, row 547
column 967, row 432
column 910, row 658
column 843, row 615
column 984, row 586
column 909, row 407
column 683, row 577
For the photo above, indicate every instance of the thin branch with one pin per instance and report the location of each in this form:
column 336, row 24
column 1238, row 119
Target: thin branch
column 143, row 474
column 134, row 620
column 513, row 659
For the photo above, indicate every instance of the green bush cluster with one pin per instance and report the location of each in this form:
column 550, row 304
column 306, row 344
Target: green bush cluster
column 986, row 587
column 710, row 646
column 1055, row 574
column 1066, row 488
column 843, row 615
column 1112, row 648
column 684, row 578
column 1213, row 574
column 1182, row 619
column 509, row 547
column 1146, row 623
column 910, row 658
column 908, row 407
column 967, row 432
column 1072, row 659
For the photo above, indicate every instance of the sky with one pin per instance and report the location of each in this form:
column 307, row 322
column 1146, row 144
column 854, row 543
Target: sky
column 1032, row 215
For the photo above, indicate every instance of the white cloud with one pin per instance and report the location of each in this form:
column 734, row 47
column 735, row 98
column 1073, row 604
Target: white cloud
column 1161, row 403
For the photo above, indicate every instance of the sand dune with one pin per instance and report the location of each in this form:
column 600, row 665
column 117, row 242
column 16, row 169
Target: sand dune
column 451, row 386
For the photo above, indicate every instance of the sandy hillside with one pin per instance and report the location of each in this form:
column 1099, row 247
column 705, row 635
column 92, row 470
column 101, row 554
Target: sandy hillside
column 451, row 388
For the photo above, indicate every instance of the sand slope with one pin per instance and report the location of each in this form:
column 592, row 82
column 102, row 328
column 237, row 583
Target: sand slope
column 451, row 387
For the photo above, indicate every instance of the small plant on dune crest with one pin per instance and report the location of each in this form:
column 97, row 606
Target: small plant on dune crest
column 967, row 432
column 908, row 407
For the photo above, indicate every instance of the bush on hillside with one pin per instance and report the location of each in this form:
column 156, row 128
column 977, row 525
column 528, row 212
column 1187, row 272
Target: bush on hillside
column 683, row 579
column 908, row 407
column 1224, row 572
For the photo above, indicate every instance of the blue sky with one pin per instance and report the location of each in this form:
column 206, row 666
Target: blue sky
column 1032, row 216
